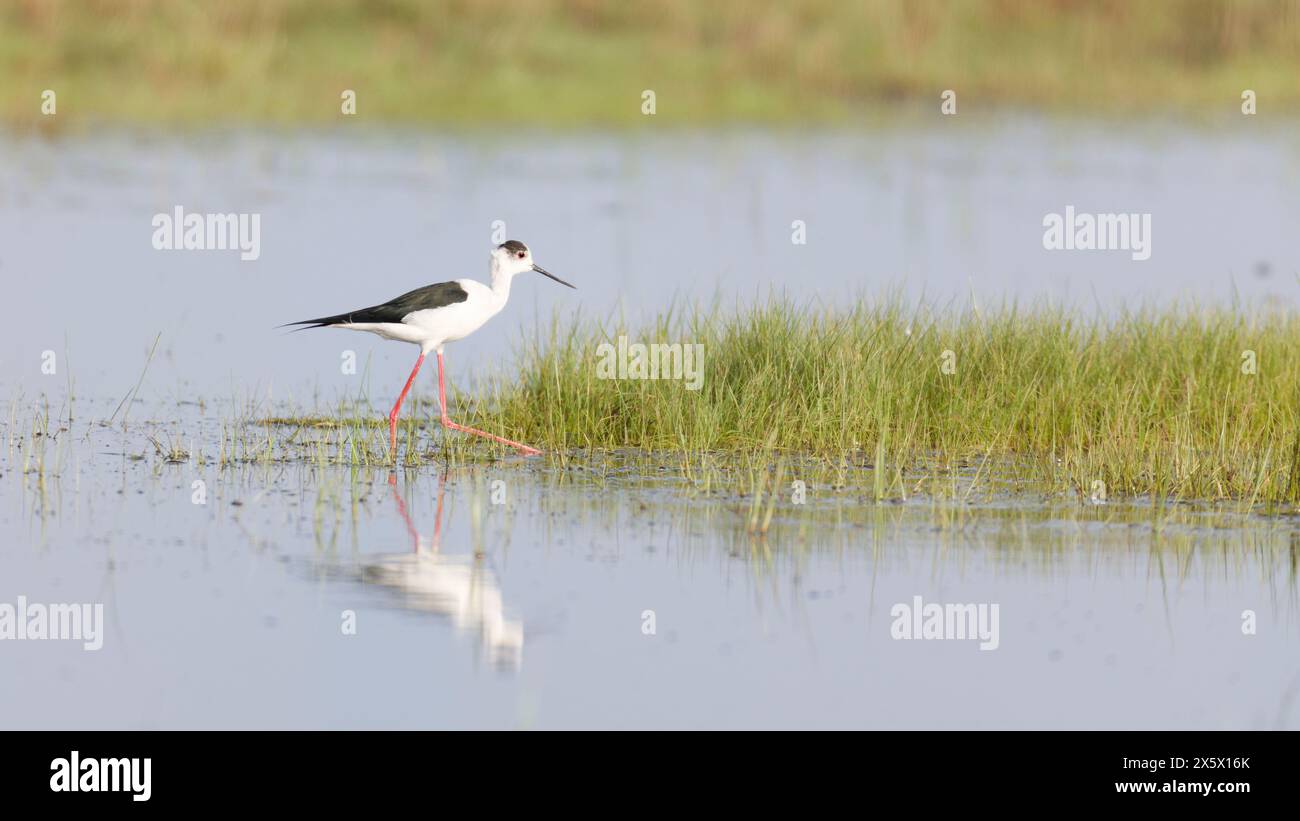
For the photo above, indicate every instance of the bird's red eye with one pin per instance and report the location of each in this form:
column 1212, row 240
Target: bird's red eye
column 521, row 254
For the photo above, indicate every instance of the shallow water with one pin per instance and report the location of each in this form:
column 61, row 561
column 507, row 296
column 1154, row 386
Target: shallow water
column 525, row 599
column 523, row 602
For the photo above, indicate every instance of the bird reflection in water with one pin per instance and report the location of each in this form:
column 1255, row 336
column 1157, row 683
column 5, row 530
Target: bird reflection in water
column 459, row 587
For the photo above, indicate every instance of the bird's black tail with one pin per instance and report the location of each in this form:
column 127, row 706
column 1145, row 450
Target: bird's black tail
column 321, row 322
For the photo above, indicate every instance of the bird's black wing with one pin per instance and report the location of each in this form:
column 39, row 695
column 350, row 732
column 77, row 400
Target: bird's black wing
column 421, row 299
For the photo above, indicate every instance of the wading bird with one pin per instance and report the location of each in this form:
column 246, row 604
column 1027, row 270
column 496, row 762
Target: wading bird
column 437, row 314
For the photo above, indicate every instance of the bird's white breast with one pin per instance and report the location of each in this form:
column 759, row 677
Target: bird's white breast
column 458, row 320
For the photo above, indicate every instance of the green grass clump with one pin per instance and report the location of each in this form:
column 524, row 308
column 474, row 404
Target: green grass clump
column 581, row 63
column 1152, row 402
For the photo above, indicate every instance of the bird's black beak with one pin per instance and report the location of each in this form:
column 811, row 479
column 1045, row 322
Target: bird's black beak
column 547, row 273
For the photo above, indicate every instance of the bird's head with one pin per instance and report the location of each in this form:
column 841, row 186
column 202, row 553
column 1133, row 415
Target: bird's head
column 513, row 257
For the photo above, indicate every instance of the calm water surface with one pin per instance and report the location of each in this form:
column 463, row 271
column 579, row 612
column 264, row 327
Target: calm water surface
column 633, row 221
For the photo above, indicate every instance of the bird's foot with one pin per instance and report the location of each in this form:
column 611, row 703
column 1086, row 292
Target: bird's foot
column 523, row 449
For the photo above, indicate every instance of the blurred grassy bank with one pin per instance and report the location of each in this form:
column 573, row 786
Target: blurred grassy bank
column 581, row 63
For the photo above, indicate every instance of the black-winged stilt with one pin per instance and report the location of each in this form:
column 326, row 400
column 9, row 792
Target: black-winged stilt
column 437, row 314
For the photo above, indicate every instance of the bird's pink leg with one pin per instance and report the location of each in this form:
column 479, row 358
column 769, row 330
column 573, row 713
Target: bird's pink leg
column 392, row 415
column 450, row 425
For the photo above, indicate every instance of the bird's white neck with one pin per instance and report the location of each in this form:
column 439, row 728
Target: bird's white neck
column 500, row 283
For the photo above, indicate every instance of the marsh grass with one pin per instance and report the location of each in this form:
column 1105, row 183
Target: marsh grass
column 1152, row 403
column 1153, row 406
